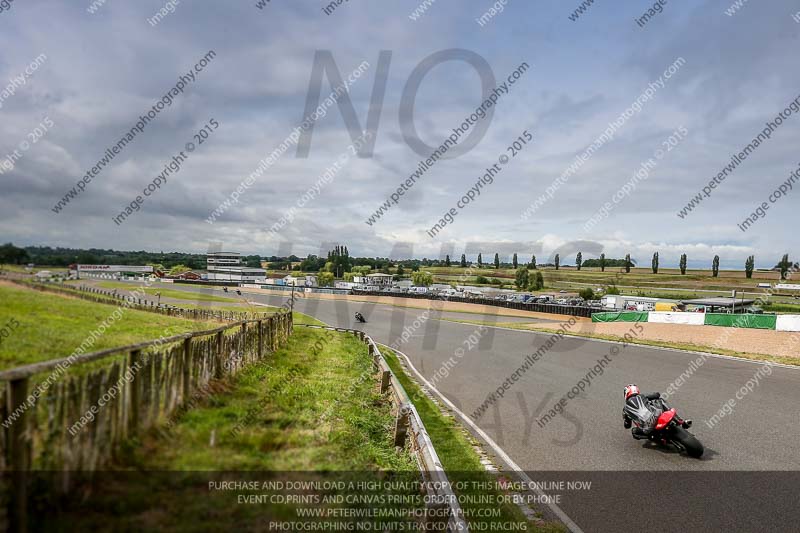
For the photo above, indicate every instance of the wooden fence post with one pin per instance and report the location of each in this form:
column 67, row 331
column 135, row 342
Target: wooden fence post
column 401, row 426
column 373, row 355
column 243, row 344
column 187, row 369
column 19, row 455
column 385, row 380
column 218, row 358
column 260, row 339
column 133, row 413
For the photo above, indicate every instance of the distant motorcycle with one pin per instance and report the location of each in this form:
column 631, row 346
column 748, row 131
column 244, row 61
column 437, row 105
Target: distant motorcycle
column 655, row 420
column 360, row 318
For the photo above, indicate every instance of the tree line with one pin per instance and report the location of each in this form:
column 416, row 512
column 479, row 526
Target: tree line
column 338, row 261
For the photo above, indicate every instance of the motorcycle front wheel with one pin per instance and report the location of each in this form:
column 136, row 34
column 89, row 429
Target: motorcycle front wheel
column 688, row 442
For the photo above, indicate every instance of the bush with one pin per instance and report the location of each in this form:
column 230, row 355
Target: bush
column 522, row 278
column 482, row 279
column 325, row 279
column 612, row 289
column 586, row 293
column 422, row 279
column 537, row 282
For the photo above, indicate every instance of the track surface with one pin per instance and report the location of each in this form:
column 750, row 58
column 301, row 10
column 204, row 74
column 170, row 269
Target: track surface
column 737, row 486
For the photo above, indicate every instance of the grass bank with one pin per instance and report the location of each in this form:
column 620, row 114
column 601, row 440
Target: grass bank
column 305, row 409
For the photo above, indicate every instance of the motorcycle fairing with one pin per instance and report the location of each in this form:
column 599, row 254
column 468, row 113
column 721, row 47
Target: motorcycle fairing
column 665, row 419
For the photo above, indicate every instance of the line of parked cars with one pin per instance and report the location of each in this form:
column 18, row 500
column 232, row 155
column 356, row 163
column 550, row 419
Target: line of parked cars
column 549, row 299
column 449, row 292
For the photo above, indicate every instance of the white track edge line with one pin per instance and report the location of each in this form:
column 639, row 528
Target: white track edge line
column 567, row 521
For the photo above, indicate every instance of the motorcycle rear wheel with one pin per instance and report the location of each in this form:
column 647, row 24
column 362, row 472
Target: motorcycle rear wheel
column 688, row 441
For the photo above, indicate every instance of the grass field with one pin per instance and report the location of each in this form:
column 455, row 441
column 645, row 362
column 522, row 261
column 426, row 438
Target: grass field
column 50, row 326
column 639, row 277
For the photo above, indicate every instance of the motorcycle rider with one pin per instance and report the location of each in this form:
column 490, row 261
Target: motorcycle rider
column 642, row 409
column 360, row 317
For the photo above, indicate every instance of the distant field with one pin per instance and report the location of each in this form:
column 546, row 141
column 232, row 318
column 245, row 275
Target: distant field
column 668, row 283
column 50, row 326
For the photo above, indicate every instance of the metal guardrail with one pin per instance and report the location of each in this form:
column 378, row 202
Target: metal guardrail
column 571, row 310
column 408, row 423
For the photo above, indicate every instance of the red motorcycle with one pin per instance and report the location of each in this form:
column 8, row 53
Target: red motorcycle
column 656, row 421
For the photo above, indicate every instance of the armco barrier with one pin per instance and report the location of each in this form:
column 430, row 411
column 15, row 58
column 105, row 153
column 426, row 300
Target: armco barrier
column 623, row 316
column 570, row 310
column 408, row 423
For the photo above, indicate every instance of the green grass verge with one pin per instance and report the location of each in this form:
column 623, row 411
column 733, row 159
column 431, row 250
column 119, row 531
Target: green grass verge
column 312, row 406
column 781, row 308
column 279, row 406
column 50, row 326
column 456, row 450
column 794, row 361
column 300, row 318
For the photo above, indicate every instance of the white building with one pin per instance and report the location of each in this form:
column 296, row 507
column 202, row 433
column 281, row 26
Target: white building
column 227, row 266
column 629, row 303
column 301, row 281
column 381, row 280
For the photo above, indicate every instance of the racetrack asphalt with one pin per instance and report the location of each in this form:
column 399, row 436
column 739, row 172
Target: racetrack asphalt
column 747, row 480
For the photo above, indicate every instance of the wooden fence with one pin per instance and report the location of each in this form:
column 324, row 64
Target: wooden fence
column 61, row 415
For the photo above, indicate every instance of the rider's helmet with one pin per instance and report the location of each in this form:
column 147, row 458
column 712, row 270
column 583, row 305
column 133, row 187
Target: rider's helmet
column 631, row 390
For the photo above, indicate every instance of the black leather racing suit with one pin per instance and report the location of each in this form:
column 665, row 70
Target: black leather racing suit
column 642, row 410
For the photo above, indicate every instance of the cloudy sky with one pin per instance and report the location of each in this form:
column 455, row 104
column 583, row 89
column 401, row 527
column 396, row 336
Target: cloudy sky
column 102, row 70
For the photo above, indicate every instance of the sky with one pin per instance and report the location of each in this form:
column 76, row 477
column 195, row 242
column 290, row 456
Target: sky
column 101, row 65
